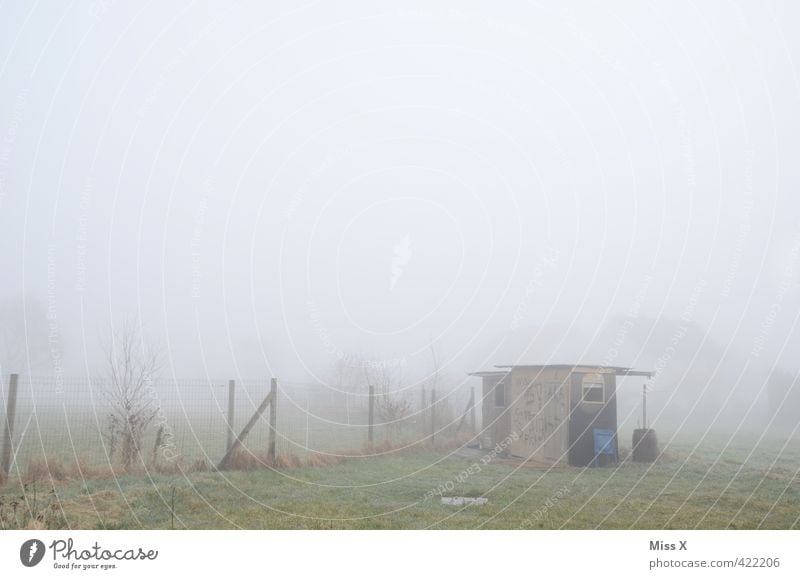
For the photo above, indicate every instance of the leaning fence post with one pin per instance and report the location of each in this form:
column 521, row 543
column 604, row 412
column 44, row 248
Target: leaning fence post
column 231, row 399
column 8, row 435
column 370, row 432
column 273, row 416
column 225, row 462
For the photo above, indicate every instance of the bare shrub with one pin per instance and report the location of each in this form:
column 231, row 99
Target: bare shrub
column 132, row 366
column 391, row 401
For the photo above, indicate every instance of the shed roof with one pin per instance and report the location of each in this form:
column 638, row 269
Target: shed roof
column 489, row 373
column 618, row 370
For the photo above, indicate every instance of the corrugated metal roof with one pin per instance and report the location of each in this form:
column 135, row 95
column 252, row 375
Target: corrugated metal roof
column 619, row 370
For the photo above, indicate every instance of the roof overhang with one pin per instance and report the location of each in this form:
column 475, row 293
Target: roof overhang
column 618, row 370
column 630, row 372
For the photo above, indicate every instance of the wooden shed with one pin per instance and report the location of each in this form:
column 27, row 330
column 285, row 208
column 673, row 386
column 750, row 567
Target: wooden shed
column 549, row 413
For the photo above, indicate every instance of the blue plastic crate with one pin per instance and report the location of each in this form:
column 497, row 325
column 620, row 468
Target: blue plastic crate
column 604, row 443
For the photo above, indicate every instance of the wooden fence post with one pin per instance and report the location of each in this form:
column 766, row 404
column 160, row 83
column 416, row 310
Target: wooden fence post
column 8, row 435
column 468, row 411
column 422, row 414
column 225, row 462
column 273, row 418
column 231, row 400
column 433, row 416
column 370, row 427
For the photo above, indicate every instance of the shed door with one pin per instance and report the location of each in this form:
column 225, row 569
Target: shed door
column 541, row 419
column 502, row 424
column 556, row 423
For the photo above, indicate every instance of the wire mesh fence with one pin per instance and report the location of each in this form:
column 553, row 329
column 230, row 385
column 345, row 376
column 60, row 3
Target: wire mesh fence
column 68, row 421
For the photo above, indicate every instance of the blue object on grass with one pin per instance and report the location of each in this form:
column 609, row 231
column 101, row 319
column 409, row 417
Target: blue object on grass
column 604, row 444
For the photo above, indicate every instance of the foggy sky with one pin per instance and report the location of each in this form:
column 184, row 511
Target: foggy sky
column 269, row 188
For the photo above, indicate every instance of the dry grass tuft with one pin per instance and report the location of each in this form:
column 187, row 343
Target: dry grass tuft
column 245, row 460
column 53, row 470
column 288, row 462
column 42, row 470
column 781, row 473
column 318, row 460
column 200, row 465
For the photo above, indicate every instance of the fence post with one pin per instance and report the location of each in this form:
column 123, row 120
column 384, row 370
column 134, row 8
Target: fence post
column 273, row 417
column 8, row 435
column 472, row 409
column 225, row 462
column 422, row 414
column 370, row 432
column 433, row 416
column 231, row 399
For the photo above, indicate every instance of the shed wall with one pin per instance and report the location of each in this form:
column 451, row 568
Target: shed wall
column 585, row 416
column 496, row 420
column 539, row 414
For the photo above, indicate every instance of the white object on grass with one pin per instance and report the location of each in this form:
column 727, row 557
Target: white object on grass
column 461, row 501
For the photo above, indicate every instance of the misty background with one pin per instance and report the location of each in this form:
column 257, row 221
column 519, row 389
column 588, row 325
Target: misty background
column 270, row 190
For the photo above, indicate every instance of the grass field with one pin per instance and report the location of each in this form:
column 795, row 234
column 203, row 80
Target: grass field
column 746, row 486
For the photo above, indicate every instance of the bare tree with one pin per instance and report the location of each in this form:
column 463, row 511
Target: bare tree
column 346, row 374
column 443, row 386
column 433, row 382
column 132, row 366
column 392, row 403
column 434, row 377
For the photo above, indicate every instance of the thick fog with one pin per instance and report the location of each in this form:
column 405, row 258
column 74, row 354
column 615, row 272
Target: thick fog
column 268, row 189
